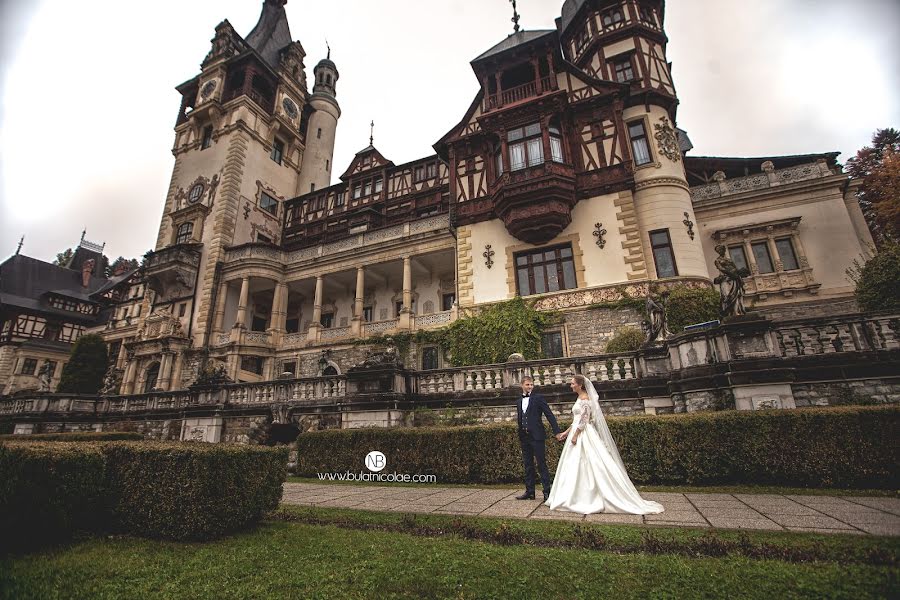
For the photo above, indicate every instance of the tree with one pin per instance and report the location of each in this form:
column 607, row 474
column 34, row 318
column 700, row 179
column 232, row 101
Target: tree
column 84, row 372
column 878, row 166
column 121, row 265
column 63, row 258
column 878, row 280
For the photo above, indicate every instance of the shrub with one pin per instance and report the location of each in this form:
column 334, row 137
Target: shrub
column 878, row 280
column 47, row 491
column 179, row 491
column 626, row 339
column 687, row 306
column 83, row 373
column 81, row 436
column 185, row 491
column 831, row 447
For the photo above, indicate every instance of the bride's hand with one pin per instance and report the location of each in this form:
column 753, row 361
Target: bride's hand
column 574, row 440
column 560, row 437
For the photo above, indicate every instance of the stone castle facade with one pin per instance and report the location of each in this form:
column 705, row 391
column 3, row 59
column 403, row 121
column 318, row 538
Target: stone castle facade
column 566, row 181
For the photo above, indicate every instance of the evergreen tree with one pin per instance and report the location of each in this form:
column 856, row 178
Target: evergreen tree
column 84, row 372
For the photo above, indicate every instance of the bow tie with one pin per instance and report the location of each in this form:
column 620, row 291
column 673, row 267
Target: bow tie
column 526, row 395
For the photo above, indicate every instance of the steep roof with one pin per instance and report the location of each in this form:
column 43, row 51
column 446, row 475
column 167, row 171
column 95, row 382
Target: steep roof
column 272, row 33
column 26, row 277
column 569, row 9
column 513, row 40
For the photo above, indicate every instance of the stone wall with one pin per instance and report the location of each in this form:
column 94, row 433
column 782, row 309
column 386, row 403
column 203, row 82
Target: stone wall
column 245, row 430
column 589, row 330
column 865, row 391
column 808, row 310
column 164, row 430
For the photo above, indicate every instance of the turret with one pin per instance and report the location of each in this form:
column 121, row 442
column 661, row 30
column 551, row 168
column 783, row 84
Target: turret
column 321, row 129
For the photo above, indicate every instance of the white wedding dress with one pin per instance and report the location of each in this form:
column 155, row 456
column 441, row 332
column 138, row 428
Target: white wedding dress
column 591, row 476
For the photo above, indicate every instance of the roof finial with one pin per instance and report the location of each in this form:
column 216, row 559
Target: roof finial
column 329, row 49
column 21, row 241
column 515, row 18
column 371, row 133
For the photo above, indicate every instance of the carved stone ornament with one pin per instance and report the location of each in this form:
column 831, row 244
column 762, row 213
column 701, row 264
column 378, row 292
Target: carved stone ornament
column 290, row 108
column 666, row 140
column 208, row 88
column 599, row 232
column 488, row 255
column 689, row 224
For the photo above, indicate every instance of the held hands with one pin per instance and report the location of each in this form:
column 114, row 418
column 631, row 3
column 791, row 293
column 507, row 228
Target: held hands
column 561, row 437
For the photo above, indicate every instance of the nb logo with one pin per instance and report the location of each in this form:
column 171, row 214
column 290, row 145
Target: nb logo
column 375, row 461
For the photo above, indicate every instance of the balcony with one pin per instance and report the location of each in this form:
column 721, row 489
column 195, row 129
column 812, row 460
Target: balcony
column 172, row 272
column 518, row 94
column 535, row 203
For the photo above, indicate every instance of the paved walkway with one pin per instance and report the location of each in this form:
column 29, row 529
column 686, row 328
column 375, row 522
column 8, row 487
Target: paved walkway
column 822, row 514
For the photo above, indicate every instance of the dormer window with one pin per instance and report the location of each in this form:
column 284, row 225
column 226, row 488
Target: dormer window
column 357, row 191
column 339, row 199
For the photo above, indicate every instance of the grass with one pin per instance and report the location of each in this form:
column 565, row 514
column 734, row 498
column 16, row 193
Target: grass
column 625, row 539
column 291, row 560
column 711, row 489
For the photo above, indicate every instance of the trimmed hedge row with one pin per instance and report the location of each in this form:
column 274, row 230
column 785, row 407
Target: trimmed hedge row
column 178, row 491
column 92, row 436
column 822, row 447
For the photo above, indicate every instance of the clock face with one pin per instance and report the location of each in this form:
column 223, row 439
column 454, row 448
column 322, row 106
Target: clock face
column 290, row 108
column 208, row 88
column 195, row 194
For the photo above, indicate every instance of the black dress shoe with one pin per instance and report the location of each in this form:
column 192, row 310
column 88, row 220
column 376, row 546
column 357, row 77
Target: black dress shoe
column 546, row 497
column 525, row 496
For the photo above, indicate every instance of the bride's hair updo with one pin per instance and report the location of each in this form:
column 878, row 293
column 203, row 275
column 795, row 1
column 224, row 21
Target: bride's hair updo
column 581, row 381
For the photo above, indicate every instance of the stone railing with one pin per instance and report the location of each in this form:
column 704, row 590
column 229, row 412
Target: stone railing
column 257, row 337
column 271, row 392
column 599, row 368
column 335, row 333
column 842, row 334
column 380, row 326
column 440, row 318
column 768, row 179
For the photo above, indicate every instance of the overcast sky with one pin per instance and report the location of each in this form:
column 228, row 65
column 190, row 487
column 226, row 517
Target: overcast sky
column 88, row 101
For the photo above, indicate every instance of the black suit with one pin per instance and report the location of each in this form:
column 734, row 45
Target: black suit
column 532, row 437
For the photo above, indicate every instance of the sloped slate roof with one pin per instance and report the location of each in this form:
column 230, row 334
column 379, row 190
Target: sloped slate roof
column 513, row 40
column 272, row 33
column 23, row 277
column 570, row 7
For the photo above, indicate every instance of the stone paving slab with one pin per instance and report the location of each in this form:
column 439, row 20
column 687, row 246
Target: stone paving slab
column 821, row 514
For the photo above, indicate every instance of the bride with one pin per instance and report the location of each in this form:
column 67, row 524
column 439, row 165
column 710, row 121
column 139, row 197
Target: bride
column 591, row 476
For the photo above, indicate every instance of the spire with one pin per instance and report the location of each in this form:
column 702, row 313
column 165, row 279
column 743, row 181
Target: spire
column 515, row 18
column 372, row 134
column 272, row 33
column 327, row 45
column 19, row 249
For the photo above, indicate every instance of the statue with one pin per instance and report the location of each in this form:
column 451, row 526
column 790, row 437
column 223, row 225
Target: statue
column 45, row 374
column 111, row 381
column 87, row 268
column 731, row 284
column 214, row 373
column 655, row 325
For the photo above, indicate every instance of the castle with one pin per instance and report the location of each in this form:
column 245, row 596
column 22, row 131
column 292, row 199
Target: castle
column 566, row 181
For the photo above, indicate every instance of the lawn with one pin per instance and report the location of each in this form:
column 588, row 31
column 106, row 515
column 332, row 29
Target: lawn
column 284, row 559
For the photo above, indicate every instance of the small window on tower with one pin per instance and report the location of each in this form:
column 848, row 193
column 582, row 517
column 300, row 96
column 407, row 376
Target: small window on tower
column 624, row 72
column 207, row 137
column 319, row 133
column 185, row 233
column 277, row 151
column 327, row 164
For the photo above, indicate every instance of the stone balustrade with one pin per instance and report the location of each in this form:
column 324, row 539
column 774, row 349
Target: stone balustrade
column 768, row 179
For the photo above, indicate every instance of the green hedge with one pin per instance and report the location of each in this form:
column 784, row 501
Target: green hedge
column 47, row 491
column 97, row 436
column 179, row 491
column 823, row 447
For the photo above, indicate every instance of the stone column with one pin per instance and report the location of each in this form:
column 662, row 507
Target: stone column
column 357, row 325
column 406, row 311
column 177, row 366
column 279, row 308
column 165, row 372
column 122, row 356
column 315, row 324
column 777, row 265
column 241, row 320
column 220, row 308
column 128, row 379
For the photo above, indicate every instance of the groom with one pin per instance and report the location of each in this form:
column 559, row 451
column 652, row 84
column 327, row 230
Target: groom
column 532, row 436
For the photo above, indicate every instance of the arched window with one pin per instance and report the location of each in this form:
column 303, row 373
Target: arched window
column 185, row 233
column 150, row 377
column 328, row 79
